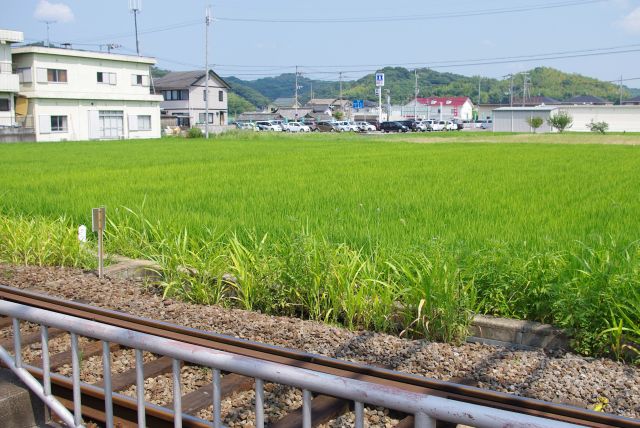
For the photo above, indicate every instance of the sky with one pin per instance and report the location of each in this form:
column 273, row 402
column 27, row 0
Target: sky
column 256, row 38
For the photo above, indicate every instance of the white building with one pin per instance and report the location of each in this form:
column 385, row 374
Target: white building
column 184, row 96
column 70, row 94
column 9, row 83
column 441, row 108
column 621, row 118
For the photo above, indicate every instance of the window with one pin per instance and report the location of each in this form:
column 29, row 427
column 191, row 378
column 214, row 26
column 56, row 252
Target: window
column 144, row 123
column 201, row 118
column 24, row 74
column 204, row 95
column 175, row 95
column 56, row 75
column 139, row 80
column 58, row 123
column 4, row 104
column 220, row 96
column 104, row 77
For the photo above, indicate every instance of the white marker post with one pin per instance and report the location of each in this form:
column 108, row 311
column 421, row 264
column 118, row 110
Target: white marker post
column 98, row 222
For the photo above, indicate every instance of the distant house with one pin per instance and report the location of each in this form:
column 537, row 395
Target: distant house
column 255, row 116
column 334, row 105
column 444, row 108
column 74, row 94
column 632, row 102
column 184, row 96
column 279, row 103
column 536, row 100
column 294, row 114
column 369, row 112
column 587, row 100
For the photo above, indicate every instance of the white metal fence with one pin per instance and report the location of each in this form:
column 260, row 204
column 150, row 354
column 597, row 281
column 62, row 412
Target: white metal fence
column 426, row 409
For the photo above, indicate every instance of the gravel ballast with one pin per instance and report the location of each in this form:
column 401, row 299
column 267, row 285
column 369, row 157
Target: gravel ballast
column 556, row 377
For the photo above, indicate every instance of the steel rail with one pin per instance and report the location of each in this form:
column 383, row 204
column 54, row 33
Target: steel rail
column 321, row 364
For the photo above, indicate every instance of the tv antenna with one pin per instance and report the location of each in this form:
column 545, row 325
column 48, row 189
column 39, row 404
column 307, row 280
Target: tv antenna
column 135, row 6
column 48, row 24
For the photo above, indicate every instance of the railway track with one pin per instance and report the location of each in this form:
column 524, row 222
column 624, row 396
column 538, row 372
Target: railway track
column 324, row 408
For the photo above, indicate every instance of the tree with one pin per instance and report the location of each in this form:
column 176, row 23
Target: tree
column 600, row 127
column 535, row 122
column 561, row 121
column 338, row 115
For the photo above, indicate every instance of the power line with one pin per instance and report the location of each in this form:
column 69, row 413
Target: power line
column 495, row 11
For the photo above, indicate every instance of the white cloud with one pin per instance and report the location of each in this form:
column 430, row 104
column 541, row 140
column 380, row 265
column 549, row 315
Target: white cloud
column 631, row 22
column 47, row 11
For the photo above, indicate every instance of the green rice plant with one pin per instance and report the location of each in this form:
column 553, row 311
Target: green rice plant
column 42, row 242
column 437, row 301
column 370, row 232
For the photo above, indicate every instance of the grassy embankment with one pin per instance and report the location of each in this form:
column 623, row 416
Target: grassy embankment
column 369, row 232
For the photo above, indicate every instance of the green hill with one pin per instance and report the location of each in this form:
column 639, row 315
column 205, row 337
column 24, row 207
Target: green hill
column 400, row 81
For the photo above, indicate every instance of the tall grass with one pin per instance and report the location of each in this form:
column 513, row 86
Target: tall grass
column 26, row 240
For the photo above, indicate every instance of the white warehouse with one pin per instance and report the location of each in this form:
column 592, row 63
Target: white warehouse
column 621, row 118
column 68, row 94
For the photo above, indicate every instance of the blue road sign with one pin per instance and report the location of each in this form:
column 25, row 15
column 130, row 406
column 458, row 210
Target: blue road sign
column 358, row 104
column 379, row 79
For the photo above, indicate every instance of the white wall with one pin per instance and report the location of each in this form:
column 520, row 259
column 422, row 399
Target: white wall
column 78, row 117
column 619, row 118
column 7, row 118
column 82, row 76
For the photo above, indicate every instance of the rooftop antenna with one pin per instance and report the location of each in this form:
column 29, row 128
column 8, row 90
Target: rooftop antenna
column 111, row 46
column 48, row 24
column 135, row 6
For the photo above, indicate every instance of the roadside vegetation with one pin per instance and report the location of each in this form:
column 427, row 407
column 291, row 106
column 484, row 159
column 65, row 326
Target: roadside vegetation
column 366, row 232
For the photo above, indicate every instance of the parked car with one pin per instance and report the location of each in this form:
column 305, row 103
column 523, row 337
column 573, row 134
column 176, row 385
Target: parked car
column 438, row 125
column 250, row 126
column 312, row 124
column 347, row 126
column 280, row 123
column 327, row 126
column 393, row 127
column 450, row 126
column 422, row 125
column 365, row 126
column 296, row 127
column 487, row 124
column 412, row 124
column 265, row 125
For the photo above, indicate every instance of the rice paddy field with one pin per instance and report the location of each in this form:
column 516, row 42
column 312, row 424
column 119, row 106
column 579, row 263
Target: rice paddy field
column 384, row 232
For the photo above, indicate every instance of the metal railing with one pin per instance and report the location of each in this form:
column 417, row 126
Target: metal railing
column 426, row 408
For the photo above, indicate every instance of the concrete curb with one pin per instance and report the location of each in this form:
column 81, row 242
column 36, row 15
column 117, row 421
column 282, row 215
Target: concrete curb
column 135, row 269
column 483, row 329
column 521, row 334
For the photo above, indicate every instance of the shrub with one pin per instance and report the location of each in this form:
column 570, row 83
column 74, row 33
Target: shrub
column 600, row 127
column 194, row 133
column 338, row 115
column 535, row 122
column 560, row 121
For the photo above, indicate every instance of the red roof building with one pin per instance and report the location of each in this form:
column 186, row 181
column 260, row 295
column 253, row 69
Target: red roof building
column 443, row 108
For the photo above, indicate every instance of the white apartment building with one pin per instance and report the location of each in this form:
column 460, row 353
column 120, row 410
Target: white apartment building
column 184, row 96
column 9, row 85
column 80, row 95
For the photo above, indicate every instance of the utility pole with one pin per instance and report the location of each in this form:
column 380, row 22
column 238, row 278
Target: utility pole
column 135, row 6
column 479, row 80
column 311, row 90
column 388, row 104
column 295, row 104
column 340, row 89
column 621, row 89
column 207, row 21
column 525, row 89
column 415, row 101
